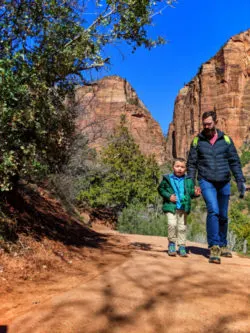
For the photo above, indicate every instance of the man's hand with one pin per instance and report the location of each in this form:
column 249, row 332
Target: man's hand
column 241, row 188
column 173, row 198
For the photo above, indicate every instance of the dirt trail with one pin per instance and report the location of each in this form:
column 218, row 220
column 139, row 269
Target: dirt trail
column 151, row 293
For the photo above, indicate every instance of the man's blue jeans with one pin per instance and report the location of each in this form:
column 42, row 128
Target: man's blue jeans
column 216, row 196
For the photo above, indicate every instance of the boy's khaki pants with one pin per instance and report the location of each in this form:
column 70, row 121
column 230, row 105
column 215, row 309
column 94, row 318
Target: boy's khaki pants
column 177, row 227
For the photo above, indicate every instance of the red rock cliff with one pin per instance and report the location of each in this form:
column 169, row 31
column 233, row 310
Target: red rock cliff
column 223, row 83
column 99, row 111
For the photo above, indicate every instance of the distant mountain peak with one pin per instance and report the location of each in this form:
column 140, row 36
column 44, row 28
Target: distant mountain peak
column 222, row 83
column 99, row 112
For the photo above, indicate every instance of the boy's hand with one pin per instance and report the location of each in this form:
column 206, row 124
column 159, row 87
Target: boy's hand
column 173, row 198
column 197, row 191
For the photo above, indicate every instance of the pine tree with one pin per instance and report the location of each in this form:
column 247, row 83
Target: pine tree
column 129, row 176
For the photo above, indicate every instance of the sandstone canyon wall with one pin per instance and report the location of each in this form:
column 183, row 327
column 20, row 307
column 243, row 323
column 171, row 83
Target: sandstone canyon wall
column 100, row 107
column 222, row 83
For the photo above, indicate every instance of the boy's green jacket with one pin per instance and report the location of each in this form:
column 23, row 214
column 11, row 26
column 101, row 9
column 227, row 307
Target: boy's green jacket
column 166, row 190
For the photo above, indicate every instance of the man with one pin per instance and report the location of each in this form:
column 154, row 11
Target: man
column 213, row 155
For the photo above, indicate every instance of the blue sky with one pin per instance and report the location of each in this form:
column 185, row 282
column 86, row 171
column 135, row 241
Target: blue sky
column 196, row 30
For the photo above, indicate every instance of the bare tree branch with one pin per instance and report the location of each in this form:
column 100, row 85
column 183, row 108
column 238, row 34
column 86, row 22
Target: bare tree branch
column 99, row 18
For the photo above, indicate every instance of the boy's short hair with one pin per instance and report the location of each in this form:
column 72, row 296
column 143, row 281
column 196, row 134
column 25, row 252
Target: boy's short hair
column 179, row 159
column 209, row 114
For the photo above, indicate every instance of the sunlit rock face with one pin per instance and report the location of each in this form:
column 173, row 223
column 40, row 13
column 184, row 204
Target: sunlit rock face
column 100, row 106
column 222, row 83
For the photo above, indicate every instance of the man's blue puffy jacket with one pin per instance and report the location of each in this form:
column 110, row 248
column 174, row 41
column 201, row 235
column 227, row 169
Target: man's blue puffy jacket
column 214, row 162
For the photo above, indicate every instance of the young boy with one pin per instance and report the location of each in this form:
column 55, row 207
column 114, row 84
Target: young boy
column 177, row 190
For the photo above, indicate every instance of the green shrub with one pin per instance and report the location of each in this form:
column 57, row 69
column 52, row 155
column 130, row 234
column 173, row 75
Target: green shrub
column 139, row 219
column 247, row 202
column 196, row 229
column 245, row 157
column 127, row 175
column 240, row 223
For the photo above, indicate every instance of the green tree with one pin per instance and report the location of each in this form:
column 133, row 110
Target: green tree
column 128, row 175
column 45, row 48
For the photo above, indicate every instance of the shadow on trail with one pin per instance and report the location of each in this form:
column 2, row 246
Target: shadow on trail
column 198, row 250
column 149, row 294
column 39, row 215
column 191, row 250
column 141, row 246
column 3, row 329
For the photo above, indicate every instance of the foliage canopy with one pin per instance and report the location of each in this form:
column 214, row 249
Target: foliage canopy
column 45, row 48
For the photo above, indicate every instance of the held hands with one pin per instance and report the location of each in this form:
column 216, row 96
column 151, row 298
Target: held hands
column 197, row 191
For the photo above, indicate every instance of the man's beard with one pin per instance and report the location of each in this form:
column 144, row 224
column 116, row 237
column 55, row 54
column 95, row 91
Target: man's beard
column 209, row 132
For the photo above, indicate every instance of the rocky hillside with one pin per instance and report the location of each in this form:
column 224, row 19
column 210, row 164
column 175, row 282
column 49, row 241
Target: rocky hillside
column 100, row 107
column 223, row 82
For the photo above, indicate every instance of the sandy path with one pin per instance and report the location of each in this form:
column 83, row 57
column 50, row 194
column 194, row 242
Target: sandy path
column 151, row 293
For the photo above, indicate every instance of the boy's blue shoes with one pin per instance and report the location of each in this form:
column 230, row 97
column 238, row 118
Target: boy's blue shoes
column 172, row 250
column 182, row 251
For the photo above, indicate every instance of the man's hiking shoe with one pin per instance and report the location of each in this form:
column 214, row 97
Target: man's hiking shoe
column 225, row 252
column 171, row 250
column 215, row 254
column 182, row 251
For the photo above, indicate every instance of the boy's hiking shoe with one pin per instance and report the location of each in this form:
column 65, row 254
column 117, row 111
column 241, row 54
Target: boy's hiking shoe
column 171, row 250
column 182, row 251
column 225, row 252
column 215, row 254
